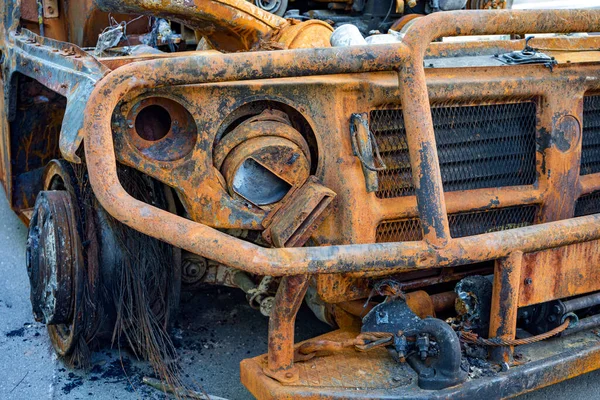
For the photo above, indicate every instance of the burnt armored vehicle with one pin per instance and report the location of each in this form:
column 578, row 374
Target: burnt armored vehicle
column 435, row 202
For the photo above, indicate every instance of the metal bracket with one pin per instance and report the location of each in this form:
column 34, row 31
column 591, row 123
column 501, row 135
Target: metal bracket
column 50, row 8
column 299, row 214
column 363, row 144
column 528, row 55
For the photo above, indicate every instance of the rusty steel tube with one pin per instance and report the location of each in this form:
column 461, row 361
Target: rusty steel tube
column 440, row 302
column 406, row 207
column 588, row 184
column 230, row 25
column 443, row 301
column 415, row 99
column 583, row 324
column 505, row 300
column 288, row 300
column 582, row 302
column 365, row 259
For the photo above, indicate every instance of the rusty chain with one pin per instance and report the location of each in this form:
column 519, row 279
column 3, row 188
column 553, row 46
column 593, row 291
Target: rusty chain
column 374, row 340
column 470, row 337
column 363, row 342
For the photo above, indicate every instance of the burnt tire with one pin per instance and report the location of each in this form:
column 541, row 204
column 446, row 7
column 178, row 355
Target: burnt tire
column 96, row 255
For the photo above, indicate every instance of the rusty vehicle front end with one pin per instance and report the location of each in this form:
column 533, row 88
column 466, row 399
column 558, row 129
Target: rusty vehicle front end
column 437, row 202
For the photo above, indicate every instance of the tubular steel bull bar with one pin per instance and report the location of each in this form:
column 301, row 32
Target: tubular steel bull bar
column 437, row 249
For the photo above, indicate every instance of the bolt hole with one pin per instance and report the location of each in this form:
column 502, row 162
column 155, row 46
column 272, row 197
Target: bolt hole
column 153, row 123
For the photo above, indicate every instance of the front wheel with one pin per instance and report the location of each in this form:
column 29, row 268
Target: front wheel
column 94, row 279
column 62, row 264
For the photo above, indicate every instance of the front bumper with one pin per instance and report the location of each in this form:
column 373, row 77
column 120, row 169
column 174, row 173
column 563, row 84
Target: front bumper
column 374, row 375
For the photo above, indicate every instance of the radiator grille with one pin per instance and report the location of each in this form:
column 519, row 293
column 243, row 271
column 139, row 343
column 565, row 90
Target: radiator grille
column 588, row 204
column 478, row 147
column 461, row 224
column 590, row 142
column 403, row 230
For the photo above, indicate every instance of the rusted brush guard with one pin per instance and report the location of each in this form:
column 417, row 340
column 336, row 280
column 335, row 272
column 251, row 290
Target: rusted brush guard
column 518, row 253
column 437, row 248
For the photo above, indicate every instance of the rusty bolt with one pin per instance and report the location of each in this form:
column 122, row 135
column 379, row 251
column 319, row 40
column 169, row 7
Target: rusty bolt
column 192, row 269
column 289, row 375
column 528, row 281
column 50, row 10
column 556, row 309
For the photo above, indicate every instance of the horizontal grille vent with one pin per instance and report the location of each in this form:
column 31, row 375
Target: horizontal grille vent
column 461, row 224
column 478, row 147
column 590, row 142
column 588, row 204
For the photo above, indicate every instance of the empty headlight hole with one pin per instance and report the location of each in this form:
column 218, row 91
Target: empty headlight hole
column 161, row 128
column 153, row 123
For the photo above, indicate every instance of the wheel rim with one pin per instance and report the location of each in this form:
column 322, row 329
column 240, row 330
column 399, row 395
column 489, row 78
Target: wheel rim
column 271, row 6
column 54, row 265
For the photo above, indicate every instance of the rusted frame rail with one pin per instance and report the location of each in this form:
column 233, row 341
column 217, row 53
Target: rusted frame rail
column 438, row 249
column 63, row 68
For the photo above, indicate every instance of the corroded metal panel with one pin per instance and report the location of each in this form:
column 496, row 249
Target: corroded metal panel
column 559, row 273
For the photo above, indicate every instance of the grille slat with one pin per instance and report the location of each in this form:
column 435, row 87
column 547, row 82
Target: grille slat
column 478, row 147
column 590, row 142
column 461, row 224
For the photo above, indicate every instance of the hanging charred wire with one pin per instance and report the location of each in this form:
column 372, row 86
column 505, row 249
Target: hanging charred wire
column 146, row 289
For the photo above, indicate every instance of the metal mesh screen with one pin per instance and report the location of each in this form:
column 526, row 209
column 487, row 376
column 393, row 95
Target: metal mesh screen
column 388, row 128
column 461, row 224
column 590, row 141
column 404, row 230
column 478, row 147
column 588, row 204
